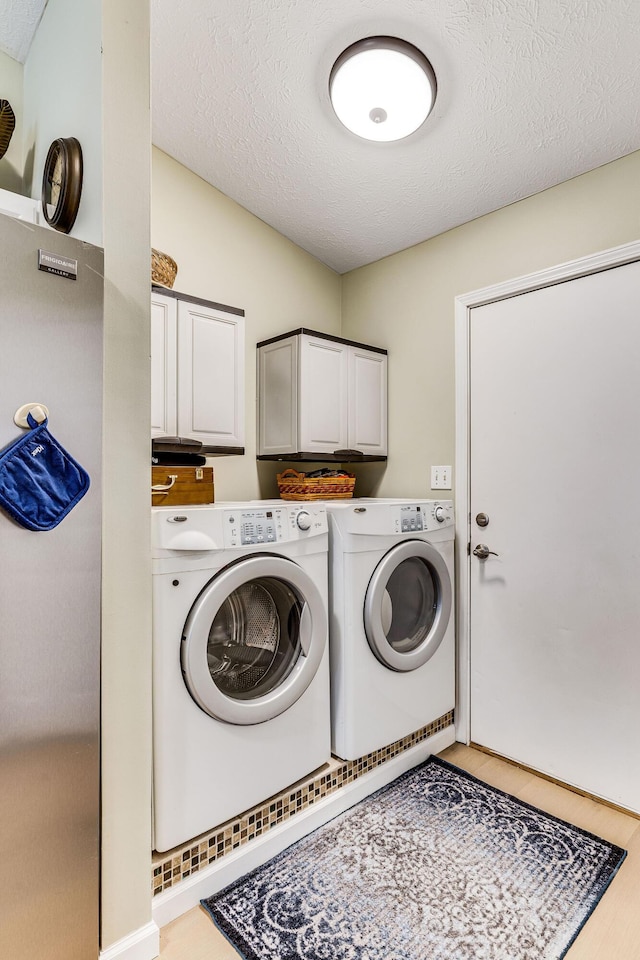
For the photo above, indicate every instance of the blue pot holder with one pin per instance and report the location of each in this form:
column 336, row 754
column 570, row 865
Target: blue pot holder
column 39, row 481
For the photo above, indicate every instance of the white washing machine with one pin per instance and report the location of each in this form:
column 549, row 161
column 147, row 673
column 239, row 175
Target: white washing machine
column 391, row 622
column 240, row 659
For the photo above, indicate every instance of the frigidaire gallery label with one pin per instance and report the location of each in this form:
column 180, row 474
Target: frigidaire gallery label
column 54, row 263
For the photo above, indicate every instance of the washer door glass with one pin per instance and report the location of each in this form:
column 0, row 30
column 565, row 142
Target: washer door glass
column 253, row 640
column 408, row 605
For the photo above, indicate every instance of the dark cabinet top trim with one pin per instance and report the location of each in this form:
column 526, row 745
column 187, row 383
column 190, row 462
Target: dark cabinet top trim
column 166, row 292
column 322, row 336
column 209, row 450
column 321, row 458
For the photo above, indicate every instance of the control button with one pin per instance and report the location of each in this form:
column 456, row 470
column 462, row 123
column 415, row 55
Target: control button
column 303, row 519
column 439, row 514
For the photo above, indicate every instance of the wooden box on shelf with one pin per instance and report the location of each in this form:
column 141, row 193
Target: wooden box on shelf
column 181, row 485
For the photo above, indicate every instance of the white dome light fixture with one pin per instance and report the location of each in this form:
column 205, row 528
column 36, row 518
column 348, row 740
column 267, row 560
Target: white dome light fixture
column 382, row 88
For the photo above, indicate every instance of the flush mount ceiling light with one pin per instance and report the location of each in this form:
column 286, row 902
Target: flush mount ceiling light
column 382, row 88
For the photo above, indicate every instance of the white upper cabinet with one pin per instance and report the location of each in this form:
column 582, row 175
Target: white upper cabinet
column 321, row 395
column 164, row 371
column 367, row 401
column 197, row 371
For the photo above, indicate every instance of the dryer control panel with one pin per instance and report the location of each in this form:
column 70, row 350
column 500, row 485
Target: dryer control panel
column 411, row 518
column 423, row 516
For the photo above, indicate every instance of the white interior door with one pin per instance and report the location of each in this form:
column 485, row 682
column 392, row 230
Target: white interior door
column 554, row 617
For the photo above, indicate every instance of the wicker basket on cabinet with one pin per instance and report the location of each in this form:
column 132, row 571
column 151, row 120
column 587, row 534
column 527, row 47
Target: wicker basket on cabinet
column 298, row 486
column 163, row 268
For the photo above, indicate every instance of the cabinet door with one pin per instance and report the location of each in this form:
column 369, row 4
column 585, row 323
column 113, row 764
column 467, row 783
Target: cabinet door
column 367, row 401
column 164, row 313
column 210, row 375
column 278, row 397
column 322, row 395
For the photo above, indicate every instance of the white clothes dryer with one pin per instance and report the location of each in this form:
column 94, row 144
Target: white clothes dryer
column 391, row 621
column 240, row 659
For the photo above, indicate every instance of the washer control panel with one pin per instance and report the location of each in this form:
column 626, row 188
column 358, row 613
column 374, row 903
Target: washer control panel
column 260, row 526
column 252, row 527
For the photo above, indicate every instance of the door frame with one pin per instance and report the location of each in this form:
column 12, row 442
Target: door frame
column 464, row 304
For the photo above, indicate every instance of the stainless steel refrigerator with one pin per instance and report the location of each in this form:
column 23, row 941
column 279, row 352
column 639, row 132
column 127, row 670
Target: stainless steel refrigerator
column 51, row 353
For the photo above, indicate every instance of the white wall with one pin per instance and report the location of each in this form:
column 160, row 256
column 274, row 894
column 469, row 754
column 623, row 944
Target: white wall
column 226, row 254
column 11, row 83
column 63, row 98
column 406, row 302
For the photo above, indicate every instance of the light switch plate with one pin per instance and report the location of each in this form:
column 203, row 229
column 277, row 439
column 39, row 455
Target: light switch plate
column 441, row 478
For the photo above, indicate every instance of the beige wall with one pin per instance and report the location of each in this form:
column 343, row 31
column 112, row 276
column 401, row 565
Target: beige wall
column 126, row 599
column 226, row 254
column 406, row 302
column 11, row 84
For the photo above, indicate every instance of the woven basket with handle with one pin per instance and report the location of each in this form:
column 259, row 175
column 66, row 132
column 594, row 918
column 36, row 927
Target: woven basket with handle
column 297, row 486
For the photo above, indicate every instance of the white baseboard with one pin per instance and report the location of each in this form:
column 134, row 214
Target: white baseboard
column 142, row 944
column 177, row 900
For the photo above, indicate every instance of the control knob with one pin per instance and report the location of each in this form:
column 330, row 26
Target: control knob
column 303, row 519
column 439, row 514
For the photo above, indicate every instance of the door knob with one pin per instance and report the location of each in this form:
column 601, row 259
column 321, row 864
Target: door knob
column 482, row 552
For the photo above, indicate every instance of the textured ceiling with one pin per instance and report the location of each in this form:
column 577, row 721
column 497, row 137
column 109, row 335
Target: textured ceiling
column 530, row 93
column 19, row 20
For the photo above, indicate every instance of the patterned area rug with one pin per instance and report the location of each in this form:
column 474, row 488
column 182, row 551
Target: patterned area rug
column 434, row 866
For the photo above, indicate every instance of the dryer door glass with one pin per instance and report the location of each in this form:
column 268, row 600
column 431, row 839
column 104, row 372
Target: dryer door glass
column 411, row 604
column 408, row 605
column 254, row 640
